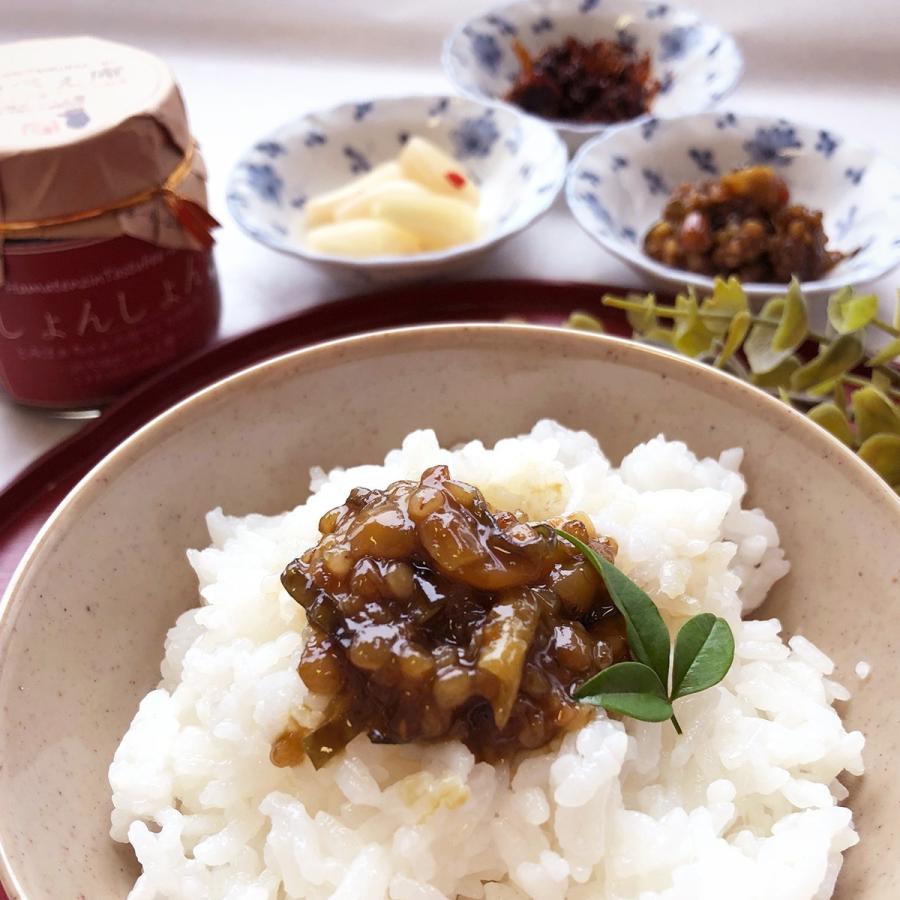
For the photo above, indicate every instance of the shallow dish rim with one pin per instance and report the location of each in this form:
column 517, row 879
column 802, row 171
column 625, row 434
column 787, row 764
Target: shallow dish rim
column 95, row 480
column 671, row 275
column 589, row 128
column 489, row 239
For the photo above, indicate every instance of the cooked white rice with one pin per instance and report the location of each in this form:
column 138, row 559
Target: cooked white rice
column 743, row 806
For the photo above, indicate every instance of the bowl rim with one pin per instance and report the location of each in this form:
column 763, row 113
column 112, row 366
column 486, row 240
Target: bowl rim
column 490, row 238
column 590, row 128
column 629, row 352
column 639, row 260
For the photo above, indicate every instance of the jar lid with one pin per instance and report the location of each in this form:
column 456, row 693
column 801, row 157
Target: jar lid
column 87, row 125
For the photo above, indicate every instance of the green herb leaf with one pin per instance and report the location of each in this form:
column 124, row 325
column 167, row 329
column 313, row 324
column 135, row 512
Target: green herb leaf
column 582, row 321
column 849, row 311
column 648, row 636
column 644, row 319
column 882, row 453
column 659, row 335
column 837, row 358
column 874, row 413
column 886, row 354
column 824, row 388
column 704, row 651
column 690, row 335
column 737, row 331
column 761, row 355
column 629, row 688
column 780, row 376
column 792, row 329
column 830, row 417
column 727, row 297
column 881, row 380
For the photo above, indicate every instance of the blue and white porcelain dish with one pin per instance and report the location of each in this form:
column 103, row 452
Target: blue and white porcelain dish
column 696, row 63
column 618, row 184
column 517, row 162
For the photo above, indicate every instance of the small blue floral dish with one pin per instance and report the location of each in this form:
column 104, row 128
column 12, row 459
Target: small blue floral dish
column 618, row 185
column 518, row 164
column 695, row 62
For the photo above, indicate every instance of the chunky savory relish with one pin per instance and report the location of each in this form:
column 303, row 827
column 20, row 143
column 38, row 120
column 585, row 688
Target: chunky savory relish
column 606, row 81
column 433, row 616
column 741, row 224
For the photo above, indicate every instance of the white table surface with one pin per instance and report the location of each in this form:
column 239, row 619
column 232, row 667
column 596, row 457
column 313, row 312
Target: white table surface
column 245, row 67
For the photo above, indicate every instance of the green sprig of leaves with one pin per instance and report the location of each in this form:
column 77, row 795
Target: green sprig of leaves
column 704, row 651
column 765, row 349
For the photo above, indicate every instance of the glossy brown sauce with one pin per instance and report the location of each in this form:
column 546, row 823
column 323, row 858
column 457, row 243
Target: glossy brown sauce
column 432, row 616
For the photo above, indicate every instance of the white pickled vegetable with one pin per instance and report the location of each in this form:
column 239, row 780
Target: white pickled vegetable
column 421, row 161
column 360, row 205
column 321, row 209
column 439, row 222
column 421, row 201
column 363, row 238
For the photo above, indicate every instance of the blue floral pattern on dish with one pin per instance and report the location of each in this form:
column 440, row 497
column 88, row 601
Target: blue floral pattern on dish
column 601, row 213
column 726, row 120
column 845, row 222
column 704, row 159
column 649, row 127
column 826, row 144
column 358, row 162
column 626, row 39
column 543, row 24
column 676, row 43
column 854, row 175
column 658, row 12
column 504, row 26
column 475, row 137
column 656, row 184
column 487, row 51
column 315, row 139
column 773, row 146
column 587, row 6
column 265, row 182
column 272, row 149
column 361, row 110
column 513, row 141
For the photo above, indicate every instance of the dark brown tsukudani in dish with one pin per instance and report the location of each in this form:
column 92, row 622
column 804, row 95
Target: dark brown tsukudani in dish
column 433, row 616
column 741, row 224
column 601, row 82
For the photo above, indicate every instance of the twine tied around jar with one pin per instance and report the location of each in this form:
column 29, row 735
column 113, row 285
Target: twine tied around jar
column 193, row 217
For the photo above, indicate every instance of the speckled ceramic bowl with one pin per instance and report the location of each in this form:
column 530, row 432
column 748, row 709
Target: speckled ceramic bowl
column 696, row 63
column 517, row 162
column 618, row 185
column 83, row 622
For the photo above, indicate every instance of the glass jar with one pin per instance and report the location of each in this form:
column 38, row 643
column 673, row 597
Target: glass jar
column 106, row 266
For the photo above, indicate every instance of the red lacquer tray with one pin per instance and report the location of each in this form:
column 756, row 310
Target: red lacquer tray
column 28, row 501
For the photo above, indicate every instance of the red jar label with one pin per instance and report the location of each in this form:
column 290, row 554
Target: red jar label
column 81, row 321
